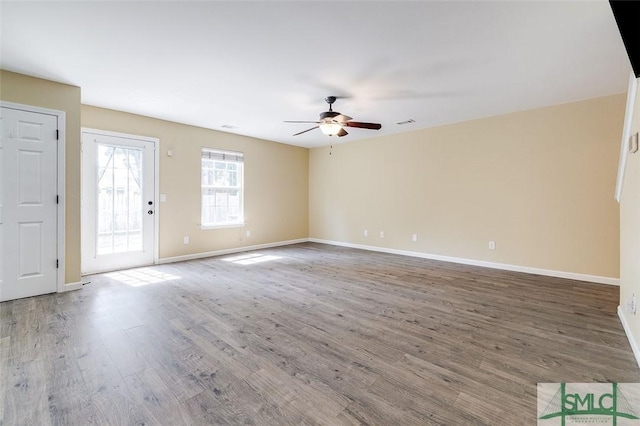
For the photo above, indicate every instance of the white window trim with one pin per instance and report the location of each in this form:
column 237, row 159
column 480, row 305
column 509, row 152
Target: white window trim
column 224, row 225
column 239, row 224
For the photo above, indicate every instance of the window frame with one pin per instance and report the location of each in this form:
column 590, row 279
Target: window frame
column 226, row 157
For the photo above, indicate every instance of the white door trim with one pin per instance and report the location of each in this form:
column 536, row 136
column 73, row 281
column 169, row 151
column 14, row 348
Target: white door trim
column 626, row 132
column 156, row 189
column 62, row 134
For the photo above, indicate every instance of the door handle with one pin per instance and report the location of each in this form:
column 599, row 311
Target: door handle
column 150, row 212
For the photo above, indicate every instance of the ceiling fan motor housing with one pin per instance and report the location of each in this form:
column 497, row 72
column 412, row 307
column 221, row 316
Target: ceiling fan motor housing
column 328, row 115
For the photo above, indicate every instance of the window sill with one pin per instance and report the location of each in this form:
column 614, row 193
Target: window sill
column 223, row 226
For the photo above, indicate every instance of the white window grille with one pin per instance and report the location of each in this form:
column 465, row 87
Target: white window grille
column 222, row 188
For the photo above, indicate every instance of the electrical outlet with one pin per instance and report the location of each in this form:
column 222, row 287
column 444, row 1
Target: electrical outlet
column 414, row 237
column 381, row 234
column 492, row 245
column 248, row 234
column 186, row 240
column 366, row 233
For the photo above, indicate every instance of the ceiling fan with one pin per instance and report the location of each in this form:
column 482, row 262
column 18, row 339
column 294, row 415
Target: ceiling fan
column 333, row 123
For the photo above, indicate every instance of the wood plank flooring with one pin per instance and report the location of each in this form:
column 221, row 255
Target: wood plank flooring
column 303, row 335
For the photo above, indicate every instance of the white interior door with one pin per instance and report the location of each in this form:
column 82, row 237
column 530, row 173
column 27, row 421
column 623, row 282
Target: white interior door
column 118, row 202
column 28, row 203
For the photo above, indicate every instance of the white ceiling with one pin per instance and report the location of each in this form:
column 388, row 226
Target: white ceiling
column 255, row 64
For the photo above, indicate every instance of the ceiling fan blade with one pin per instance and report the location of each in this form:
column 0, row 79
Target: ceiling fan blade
column 305, row 131
column 341, row 118
column 342, row 133
column 372, row 126
column 288, row 121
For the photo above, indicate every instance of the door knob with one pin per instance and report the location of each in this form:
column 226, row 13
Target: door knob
column 150, row 212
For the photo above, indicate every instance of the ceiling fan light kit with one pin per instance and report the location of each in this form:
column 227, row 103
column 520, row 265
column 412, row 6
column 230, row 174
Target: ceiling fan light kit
column 330, row 129
column 333, row 123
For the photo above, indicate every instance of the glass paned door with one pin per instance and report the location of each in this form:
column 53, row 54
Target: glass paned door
column 119, row 189
column 118, row 203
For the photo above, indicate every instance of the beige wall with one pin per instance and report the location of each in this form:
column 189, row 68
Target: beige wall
column 540, row 183
column 630, row 232
column 276, row 183
column 47, row 94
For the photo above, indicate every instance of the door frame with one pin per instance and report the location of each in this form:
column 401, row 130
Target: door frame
column 156, row 178
column 61, row 171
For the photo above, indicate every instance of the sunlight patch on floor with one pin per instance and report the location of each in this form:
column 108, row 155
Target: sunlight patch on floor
column 142, row 276
column 251, row 258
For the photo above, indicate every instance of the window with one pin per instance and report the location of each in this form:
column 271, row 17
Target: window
column 222, row 188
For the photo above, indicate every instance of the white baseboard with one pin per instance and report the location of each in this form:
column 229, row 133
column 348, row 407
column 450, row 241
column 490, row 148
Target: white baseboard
column 634, row 345
column 230, row 251
column 71, row 287
column 473, row 262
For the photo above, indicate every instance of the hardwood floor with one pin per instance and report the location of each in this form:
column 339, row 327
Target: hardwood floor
column 305, row 334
